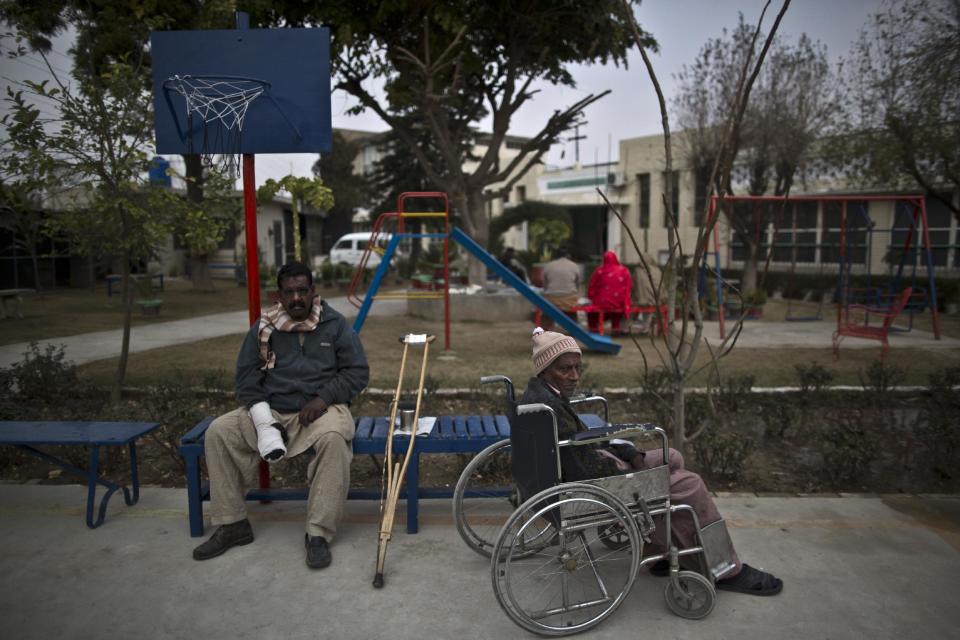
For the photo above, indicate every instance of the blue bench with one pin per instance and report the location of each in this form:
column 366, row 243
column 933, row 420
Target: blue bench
column 451, row 434
column 26, row 436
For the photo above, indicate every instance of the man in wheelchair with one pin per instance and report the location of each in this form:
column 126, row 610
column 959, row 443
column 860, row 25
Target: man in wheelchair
column 557, row 369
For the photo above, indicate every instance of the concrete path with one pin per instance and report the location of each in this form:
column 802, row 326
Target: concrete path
column 101, row 345
column 853, row 567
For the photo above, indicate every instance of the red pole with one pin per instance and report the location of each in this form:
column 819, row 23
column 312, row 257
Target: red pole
column 253, row 264
column 844, row 296
column 446, row 274
column 922, row 211
column 250, row 228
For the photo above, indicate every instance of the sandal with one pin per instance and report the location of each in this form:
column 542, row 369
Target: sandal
column 752, row 582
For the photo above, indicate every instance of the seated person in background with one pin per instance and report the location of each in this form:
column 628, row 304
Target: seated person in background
column 510, row 261
column 557, row 367
column 561, row 283
column 610, row 289
column 299, row 367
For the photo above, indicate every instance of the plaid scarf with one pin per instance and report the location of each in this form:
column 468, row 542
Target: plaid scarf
column 277, row 319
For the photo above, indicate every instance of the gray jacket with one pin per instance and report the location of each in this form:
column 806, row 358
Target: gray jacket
column 330, row 364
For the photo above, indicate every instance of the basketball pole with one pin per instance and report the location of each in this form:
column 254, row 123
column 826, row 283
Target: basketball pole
column 250, row 229
column 250, row 233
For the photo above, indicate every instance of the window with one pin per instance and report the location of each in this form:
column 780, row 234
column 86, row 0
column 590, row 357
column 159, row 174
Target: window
column 643, row 179
column 229, row 240
column 521, row 194
column 857, row 224
column 939, row 219
column 700, row 200
column 796, row 235
column 674, row 199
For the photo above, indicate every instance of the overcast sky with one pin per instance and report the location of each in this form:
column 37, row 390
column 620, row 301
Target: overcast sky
column 680, row 26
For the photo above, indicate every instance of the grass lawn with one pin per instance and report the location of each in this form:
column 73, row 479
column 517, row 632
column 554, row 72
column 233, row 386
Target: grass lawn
column 483, row 349
column 67, row 312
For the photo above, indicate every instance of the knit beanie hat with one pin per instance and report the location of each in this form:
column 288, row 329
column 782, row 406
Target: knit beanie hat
column 550, row 345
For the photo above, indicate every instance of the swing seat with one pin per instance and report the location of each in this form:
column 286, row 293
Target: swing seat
column 854, row 321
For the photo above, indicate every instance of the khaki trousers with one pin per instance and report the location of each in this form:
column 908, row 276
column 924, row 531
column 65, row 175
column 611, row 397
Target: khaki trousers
column 233, row 459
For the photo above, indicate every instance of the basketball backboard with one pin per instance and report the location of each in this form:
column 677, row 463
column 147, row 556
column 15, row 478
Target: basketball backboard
column 291, row 115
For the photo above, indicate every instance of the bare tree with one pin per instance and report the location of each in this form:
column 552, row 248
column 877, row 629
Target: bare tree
column 902, row 107
column 678, row 348
column 793, row 101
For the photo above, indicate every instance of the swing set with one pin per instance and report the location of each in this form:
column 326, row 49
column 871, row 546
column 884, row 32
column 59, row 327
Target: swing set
column 846, row 237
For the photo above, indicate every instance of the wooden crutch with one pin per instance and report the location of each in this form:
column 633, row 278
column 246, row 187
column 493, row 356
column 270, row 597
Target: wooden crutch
column 393, row 473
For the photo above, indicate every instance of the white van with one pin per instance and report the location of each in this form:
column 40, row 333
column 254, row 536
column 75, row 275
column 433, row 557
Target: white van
column 350, row 248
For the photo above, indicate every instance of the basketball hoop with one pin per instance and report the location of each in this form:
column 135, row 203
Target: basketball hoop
column 221, row 102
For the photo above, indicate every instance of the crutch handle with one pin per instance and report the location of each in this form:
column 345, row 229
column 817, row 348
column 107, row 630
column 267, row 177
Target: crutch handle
column 417, row 338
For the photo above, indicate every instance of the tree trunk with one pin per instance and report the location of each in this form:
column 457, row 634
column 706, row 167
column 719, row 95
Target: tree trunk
column 473, row 215
column 296, row 230
column 200, row 273
column 36, row 272
column 679, row 437
column 750, row 266
column 126, row 291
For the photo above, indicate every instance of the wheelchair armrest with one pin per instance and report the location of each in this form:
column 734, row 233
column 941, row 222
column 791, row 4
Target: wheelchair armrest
column 616, row 431
column 605, row 434
column 600, row 399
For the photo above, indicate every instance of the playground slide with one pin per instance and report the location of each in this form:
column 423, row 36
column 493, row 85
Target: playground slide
column 592, row 341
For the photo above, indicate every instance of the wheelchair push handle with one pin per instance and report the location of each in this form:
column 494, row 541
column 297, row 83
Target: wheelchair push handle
column 505, row 380
column 600, row 399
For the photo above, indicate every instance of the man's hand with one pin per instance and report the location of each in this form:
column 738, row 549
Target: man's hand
column 312, row 410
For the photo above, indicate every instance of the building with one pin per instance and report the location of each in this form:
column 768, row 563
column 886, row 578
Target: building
column 635, row 186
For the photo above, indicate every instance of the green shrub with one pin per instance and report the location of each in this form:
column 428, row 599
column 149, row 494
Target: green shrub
column 849, row 443
column 881, row 378
column 722, row 454
column 813, row 377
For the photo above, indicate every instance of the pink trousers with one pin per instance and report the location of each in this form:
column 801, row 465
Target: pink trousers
column 686, row 487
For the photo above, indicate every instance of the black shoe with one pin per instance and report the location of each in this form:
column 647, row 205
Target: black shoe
column 228, row 535
column 660, row 568
column 318, row 551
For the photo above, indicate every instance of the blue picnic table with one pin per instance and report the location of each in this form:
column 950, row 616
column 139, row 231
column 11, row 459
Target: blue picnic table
column 27, row 435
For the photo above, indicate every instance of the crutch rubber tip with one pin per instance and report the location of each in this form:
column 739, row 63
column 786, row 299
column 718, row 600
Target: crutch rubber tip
column 378, row 581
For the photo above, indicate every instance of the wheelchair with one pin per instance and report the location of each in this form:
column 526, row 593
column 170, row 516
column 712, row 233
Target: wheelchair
column 569, row 553
column 488, row 475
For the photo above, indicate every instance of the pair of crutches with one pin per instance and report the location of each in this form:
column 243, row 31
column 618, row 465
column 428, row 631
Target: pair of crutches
column 393, row 472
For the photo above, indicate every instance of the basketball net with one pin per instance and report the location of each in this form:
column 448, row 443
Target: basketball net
column 221, row 103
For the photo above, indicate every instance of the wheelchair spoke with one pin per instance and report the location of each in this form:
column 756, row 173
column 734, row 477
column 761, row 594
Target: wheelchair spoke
column 571, row 580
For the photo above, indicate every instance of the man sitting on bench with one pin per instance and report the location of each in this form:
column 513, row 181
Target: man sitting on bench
column 557, row 367
column 299, row 367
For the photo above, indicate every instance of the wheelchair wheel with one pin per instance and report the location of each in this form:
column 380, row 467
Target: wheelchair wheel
column 484, row 497
column 613, row 536
column 572, row 580
column 693, row 596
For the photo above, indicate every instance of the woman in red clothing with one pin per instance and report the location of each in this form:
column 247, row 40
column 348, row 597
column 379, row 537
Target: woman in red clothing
column 610, row 287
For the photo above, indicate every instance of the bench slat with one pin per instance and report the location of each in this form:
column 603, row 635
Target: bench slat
column 446, row 427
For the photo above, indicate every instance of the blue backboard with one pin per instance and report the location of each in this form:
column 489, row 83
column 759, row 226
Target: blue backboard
column 291, row 116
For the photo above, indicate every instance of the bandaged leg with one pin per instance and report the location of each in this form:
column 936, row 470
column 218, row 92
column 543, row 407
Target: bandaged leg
column 271, row 436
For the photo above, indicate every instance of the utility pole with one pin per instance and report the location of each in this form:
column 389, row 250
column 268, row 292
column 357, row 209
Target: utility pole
column 576, row 138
